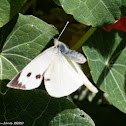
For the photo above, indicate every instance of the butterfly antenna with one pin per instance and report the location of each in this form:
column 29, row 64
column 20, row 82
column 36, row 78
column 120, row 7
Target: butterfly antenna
column 63, row 29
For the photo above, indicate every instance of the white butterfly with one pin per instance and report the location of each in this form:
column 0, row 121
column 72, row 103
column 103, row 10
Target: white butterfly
column 58, row 66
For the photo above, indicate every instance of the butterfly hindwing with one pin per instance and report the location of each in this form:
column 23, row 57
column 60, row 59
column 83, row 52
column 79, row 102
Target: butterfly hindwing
column 61, row 78
column 86, row 82
column 31, row 76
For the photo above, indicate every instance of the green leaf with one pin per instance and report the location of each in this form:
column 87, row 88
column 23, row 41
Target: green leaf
column 57, row 2
column 28, row 38
column 8, row 8
column 36, row 108
column 21, row 40
column 94, row 12
column 106, row 53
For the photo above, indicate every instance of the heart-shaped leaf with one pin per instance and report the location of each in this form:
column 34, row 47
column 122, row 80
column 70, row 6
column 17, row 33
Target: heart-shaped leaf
column 94, row 12
column 36, row 108
column 106, row 53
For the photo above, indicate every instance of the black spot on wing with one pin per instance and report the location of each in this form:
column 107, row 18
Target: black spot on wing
column 38, row 76
column 47, row 79
column 29, row 74
column 15, row 84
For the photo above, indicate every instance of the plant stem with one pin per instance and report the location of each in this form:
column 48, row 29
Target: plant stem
column 84, row 38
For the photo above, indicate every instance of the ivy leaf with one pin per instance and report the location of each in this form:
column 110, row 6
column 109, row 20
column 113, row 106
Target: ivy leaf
column 28, row 38
column 106, row 53
column 35, row 108
column 8, row 9
column 96, row 13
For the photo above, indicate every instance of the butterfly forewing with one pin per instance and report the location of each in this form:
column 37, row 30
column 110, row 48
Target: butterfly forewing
column 31, row 76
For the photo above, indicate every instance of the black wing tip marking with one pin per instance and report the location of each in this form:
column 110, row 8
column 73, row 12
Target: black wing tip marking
column 15, row 84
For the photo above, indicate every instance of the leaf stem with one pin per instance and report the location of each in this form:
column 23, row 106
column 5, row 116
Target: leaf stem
column 84, row 38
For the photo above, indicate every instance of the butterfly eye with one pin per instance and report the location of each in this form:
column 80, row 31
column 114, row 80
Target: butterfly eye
column 62, row 48
column 57, row 46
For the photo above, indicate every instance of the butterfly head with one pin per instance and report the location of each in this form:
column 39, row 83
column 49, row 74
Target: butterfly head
column 57, row 42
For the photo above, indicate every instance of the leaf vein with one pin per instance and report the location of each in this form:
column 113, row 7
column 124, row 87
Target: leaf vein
column 41, row 112
column 118, row 86
column 16, row 55
column 22, row 44
column 10, row 63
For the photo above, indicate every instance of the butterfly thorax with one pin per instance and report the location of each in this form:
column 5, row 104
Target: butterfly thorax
column 71, row 54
